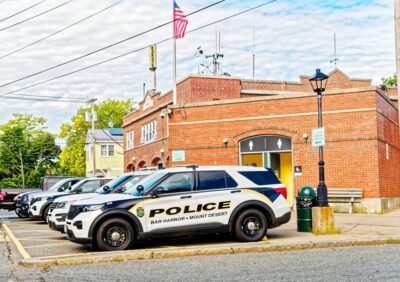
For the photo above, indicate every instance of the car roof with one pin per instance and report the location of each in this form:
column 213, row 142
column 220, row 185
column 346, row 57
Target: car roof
column 141, row 172
column 208, row 168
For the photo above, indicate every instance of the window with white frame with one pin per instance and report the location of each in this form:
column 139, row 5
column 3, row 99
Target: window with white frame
column 149, row 132
column 129, row 140
column 107, row 150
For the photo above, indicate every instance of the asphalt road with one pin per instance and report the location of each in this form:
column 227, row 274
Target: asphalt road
column 341, row 264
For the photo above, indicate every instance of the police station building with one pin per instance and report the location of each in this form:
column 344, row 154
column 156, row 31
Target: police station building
column 221, row 120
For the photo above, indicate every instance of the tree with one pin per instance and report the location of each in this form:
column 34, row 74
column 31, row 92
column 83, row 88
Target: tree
column 109, row 114
column 390, row 81
column 27, row 151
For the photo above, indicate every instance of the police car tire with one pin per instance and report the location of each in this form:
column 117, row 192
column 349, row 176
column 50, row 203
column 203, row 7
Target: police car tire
column 46, row 213
column 21, row 214
column 246, row 217
column 107, row 226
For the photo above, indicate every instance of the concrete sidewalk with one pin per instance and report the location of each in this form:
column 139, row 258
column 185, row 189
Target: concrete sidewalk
column 355, row 230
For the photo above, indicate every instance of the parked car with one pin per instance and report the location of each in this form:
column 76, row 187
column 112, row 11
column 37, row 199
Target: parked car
column 181, row 201
column 59, row 208
column 22, row 200
column 39, row 205
column 9, row 194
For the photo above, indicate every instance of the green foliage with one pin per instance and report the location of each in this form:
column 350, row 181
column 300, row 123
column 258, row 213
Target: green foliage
column 109, row 114
column 390, row 81
column 27, row 151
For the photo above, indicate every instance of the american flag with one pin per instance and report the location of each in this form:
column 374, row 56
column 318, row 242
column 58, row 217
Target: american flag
column 180, row 22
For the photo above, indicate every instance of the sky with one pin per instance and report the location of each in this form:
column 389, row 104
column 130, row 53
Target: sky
column 292, row 38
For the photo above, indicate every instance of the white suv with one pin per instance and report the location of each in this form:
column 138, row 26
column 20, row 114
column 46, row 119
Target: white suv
column 39, row 205
column 60, row 206
column 188, row 200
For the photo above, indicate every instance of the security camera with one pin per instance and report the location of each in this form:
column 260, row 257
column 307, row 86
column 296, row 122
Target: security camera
column 162, row 115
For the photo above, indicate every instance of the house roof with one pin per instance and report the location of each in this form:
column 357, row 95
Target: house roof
column 109, row 135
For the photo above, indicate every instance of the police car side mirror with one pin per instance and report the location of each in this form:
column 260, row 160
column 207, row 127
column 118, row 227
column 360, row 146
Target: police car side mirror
column 106, row 188
column 78, row 190
column 140, row 188
column 158, row 190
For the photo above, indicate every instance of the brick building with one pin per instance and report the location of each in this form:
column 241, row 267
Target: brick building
column 229, row 121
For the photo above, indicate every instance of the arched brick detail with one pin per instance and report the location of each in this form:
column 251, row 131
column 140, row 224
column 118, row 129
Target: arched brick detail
column 130, row 167
column 294, row 135
column 141, row 164
column 155, row 161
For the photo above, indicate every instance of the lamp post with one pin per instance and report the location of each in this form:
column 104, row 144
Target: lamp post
column 318, row 82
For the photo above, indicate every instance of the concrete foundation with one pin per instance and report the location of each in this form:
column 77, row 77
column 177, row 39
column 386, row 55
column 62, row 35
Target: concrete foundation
column 323, row 221
column 372, row 205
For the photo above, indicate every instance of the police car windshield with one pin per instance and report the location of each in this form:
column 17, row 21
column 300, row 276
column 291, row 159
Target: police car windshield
column 113, row 184
column 58, row 184
column 77, row 185
column 146, row 183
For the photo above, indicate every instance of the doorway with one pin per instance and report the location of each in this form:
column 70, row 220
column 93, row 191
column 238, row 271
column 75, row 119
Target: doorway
column 273, row 152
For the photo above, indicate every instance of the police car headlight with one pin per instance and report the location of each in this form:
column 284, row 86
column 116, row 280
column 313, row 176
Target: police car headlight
column 61, row 205
column 90, row 208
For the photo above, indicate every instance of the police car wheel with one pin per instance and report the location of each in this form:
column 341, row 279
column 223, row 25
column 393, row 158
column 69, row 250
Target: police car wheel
column 115, row 234
column 46, row 213
column 21, row 214
column 250, row 226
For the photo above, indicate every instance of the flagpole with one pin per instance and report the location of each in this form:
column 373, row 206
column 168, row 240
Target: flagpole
column 174, row 71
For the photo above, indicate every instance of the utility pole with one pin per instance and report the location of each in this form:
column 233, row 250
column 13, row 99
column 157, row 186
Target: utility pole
column 92, row 117
column 397, row 41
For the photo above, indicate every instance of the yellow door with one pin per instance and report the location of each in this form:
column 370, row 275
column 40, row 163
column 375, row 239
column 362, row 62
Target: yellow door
column 286, row 174
column 251, row 159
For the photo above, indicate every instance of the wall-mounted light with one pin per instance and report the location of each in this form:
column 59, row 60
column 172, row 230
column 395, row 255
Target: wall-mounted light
column 169, row 112
column 225, row 141
column 162, row 115
column 305, row 137
column 133, row 159
column 162, row 151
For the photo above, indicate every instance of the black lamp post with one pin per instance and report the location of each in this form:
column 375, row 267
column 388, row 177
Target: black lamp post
column 318, row 82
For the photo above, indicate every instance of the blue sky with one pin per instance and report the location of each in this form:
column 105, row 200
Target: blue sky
column 292, row 38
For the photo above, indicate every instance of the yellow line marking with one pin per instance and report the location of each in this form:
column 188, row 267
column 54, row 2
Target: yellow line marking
column 16, row 242
column 40, row 239
column 4, row 238
column 50, row 245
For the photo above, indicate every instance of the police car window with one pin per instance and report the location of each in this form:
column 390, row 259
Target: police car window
column 230, row 182
column 130, row 183
column 90, row 186
column 211, row 180
column 261, row 177
column 178, row 182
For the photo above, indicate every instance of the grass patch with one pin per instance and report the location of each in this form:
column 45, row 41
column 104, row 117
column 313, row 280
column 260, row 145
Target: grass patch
column 392, row 241
column 118, row 259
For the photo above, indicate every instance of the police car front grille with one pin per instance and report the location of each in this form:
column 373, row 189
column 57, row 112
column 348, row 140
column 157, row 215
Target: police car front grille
column 53, row 206
column 73, row 212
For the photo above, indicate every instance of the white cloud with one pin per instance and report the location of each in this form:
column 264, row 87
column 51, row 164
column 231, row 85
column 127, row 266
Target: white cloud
column 292, row 38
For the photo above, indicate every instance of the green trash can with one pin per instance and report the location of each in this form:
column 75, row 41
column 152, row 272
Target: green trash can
column 306, row 199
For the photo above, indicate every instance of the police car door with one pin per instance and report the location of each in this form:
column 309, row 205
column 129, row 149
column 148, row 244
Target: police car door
column 166, row 211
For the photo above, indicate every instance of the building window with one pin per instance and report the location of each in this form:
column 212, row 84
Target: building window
column 149, row 132
column 107, row 150
column 129, row 140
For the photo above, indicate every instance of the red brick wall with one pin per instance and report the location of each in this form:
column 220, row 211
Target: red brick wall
column 351, row 153
column 389, row 162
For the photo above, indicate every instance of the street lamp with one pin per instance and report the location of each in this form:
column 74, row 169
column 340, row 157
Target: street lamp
column 318, row 82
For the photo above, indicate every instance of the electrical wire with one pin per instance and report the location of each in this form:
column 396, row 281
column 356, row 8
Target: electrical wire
column 136, row 50
column 41, row 99
column 59, row 31
column 17, row 13
column 108, row 46
column 37, row 15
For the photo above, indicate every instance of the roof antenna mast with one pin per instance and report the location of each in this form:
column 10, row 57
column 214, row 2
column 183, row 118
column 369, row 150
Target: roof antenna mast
column 335, row 58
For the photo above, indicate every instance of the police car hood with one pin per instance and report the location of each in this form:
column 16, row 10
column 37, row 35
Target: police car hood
column 48, row 194
column 105, row 199
column 77, row 197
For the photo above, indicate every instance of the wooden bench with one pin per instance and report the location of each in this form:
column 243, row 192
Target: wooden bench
column 344, row 195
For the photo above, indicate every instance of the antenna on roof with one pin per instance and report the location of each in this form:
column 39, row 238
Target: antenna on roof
column 335, row 58
column 215, row 57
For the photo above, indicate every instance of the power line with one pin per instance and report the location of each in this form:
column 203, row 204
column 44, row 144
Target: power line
column 57, row 100
column 51, row 97
column 37, row 15
column 108, row 46
column 59, row 31
column 17, row 13
column 136, row 50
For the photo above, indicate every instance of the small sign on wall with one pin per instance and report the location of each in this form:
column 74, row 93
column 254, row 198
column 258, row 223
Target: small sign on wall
column 298, row 171
column 178, row 156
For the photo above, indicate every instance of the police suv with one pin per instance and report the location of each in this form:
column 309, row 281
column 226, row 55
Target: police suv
column 60, row 206
column 180, row 201
column 39, row 205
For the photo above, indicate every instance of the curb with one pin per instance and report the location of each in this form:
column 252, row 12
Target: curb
column 45, row 262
